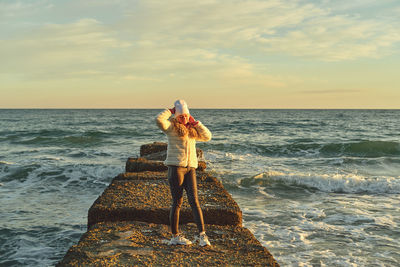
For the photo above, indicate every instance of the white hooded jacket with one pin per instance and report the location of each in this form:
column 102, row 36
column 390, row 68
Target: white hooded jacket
column 181, row 150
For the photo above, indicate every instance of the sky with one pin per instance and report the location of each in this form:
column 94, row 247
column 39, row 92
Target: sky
column 211, row 53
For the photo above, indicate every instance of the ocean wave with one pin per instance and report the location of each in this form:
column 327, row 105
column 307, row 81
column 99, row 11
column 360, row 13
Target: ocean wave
column 370, row 149
column 364, row 148
column 336, row 183
column 12, row 134
column 71, row 140
column 65, row 138
column 360, row 149
column 18, row 173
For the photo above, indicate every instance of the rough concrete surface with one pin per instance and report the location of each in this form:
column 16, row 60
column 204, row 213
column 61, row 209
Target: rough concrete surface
column 157, row 151
column 150, row 200
column 143, row 164
column 154, row 175
column 128, row 223
column 145, row 175
column 145, row 244
column 151, row 148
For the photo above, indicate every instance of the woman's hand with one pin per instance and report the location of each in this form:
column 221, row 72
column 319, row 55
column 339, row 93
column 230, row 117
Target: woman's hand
column 192, row 121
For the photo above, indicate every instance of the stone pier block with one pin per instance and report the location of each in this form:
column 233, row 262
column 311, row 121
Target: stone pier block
column 146, row 244
column 143, row 164
column 150, row 201
column 153, row 175
column 157, row 151
column 151, row 148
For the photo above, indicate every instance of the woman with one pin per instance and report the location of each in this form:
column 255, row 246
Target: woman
column 182, row 132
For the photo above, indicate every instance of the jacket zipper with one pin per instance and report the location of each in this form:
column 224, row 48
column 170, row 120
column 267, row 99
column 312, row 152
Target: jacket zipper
column 187, row 154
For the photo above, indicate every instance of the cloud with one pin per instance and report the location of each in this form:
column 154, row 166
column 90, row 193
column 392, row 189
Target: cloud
column 331, row 91
column 359, row 6
column 222, row 41
column 59, row 48
column 295, row 28
column 89, row 49
column 214, row 23
column 336, row 38
column 10, row 9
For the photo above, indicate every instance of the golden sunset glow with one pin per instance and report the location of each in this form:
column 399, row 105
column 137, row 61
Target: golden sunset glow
column 213, row 54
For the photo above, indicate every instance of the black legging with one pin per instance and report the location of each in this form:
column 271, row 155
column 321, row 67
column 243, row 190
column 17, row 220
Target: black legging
column 183, row 178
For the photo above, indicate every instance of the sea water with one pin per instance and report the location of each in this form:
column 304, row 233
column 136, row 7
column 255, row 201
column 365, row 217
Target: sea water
column 316, row 187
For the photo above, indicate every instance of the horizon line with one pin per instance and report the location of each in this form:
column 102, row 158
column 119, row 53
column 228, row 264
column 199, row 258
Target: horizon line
column 207, row 108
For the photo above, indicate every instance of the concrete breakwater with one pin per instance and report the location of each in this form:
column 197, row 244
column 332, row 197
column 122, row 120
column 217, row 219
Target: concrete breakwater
column 128, row 224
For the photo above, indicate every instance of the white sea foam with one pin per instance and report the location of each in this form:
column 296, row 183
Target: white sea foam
column 6, row 162
column 343, row 183
column 214, row 155
column 262, row 192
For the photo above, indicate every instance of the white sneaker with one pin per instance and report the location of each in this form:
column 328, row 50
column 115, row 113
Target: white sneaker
column 179, row 240
column 203, row 240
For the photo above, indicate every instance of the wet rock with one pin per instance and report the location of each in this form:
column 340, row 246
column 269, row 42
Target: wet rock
column 160, row 156
column 201, row 165
column 152, row 148
column 143, row 164
column 153, row 175
column 157, row 151
column 150, row 200
column 230, row 246
column 145, row 175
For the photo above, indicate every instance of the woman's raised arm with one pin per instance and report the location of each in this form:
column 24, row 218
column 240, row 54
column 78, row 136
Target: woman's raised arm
column 204, row 133
column 162, row 120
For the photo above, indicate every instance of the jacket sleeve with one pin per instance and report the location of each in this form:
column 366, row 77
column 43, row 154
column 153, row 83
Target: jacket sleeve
column 204, row 133
column 162, row 120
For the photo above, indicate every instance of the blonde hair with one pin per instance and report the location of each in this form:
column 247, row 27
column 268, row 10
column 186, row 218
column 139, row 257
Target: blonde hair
column 182, row 131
